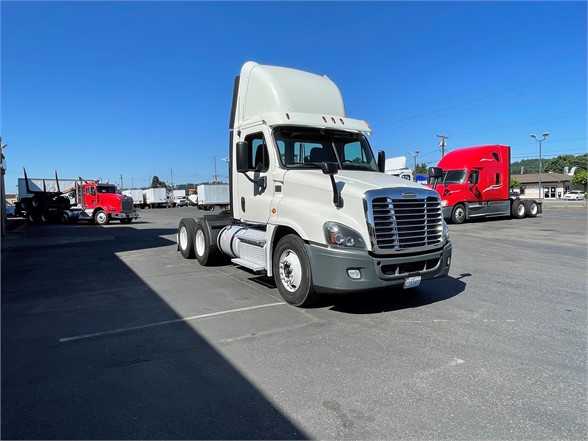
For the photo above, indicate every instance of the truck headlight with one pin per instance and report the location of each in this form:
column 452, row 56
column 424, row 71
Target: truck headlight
column 445, row 231
column 342, row 236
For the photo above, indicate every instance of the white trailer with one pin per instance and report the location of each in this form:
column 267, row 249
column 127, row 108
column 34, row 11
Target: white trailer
column 137, row 195
column 211, row 195
column 155, row 197
column 397, row 167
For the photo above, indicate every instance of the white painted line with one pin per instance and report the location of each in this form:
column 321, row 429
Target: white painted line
column 167, row 322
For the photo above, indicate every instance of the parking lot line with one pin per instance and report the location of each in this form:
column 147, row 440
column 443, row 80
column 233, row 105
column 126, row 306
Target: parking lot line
column 167, row 322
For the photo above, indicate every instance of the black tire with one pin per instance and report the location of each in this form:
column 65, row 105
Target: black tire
column 37, row 202
column 101, row 217
column 458, row 215
column 65, row 218
column 185, row 238
column 126, row 221
column 26, row 204
column 292, row 272
column 531, row 208
column 518, row 210
column 34, row 217
column 45, row 217
column 207, row 253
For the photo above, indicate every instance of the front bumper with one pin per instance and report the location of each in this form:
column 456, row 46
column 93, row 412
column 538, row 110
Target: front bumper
column 330, row 268
column 130, row 215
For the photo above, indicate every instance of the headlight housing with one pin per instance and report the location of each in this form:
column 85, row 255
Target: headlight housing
column 341, row 236
column 445, row 231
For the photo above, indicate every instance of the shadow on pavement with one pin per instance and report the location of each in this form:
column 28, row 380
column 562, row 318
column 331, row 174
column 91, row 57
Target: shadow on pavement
column 164, row 382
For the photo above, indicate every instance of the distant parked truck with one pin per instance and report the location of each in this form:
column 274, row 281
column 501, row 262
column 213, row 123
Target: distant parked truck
column 476, row 184
column 177, row 198
column 43, row 200
column 137, row 195
column 397, row 167
column 155, row 197
column 211, row 195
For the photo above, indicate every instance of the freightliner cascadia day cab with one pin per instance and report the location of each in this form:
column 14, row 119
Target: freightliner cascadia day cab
column 476, row 184
column 310, row 204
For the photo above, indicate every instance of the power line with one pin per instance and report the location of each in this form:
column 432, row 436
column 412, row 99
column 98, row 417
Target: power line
column 479, row 87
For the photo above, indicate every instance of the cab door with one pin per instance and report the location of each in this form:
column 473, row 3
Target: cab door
column 252, row 197
column 90, row 196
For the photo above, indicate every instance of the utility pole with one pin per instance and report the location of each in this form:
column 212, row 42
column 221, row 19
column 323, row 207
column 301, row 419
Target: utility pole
column 171, row 170
column 414, row 157
column 215, row 174
column 442, row 144
column 121, row 183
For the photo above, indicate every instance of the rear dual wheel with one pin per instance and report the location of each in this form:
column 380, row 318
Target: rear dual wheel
column 518, row 209
column 194, row 241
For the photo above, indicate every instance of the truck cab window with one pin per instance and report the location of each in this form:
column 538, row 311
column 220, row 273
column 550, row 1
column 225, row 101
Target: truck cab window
column 91, row 191
column 304, row 147
column 258, row 153
column 454, row 177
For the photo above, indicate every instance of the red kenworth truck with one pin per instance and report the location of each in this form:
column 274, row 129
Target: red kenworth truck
column 476, row 184
column 92, row 201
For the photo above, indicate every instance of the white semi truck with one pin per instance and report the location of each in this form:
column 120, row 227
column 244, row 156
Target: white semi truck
column 311, row 205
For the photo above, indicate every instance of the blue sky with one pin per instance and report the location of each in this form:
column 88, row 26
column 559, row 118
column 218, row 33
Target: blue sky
column 103, row 89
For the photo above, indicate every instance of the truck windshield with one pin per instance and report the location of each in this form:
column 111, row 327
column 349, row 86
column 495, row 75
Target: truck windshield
column 106, row 189
column 454, row 176
column 305, row 147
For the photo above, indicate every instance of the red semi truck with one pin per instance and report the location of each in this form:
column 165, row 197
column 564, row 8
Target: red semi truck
column 93, row 201
column 476, row 184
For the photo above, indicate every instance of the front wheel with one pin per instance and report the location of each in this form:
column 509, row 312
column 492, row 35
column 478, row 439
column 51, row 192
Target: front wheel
column 292, row 273
column 101, row 217
column 458, row 215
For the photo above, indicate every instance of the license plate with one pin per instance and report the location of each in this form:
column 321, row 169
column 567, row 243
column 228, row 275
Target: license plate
column 412, row 282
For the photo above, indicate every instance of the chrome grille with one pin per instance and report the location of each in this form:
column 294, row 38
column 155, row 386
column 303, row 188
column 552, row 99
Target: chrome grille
column 404, row 223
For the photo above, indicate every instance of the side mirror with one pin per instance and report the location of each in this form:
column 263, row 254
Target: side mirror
column 474, row 178
column 242, row 157
column 329, row 168
column 381, row 161
column 435, row 172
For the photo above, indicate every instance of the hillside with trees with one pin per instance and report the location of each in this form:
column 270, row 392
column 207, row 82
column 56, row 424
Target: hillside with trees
column 554, row 165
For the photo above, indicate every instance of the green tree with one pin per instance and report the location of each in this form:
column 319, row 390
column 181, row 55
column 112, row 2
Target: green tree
column 580, row 178
column 514, row 183
column 558, row 164
column 157, row 183
column 421, row 169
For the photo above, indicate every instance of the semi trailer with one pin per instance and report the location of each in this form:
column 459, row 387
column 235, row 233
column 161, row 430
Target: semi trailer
column 211, row 195
column 310, row 203
column 137, row 195
column 80, row 199
column 476, row 184
column 155, row 197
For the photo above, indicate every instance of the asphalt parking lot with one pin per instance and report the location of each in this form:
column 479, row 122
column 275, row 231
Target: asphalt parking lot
column 108, row 333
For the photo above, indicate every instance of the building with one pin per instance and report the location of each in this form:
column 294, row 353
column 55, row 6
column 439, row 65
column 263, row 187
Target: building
column 555, row 185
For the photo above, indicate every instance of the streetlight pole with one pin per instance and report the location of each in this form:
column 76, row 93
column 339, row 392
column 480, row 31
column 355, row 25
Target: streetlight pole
column 414, row 156
column 545, row 135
